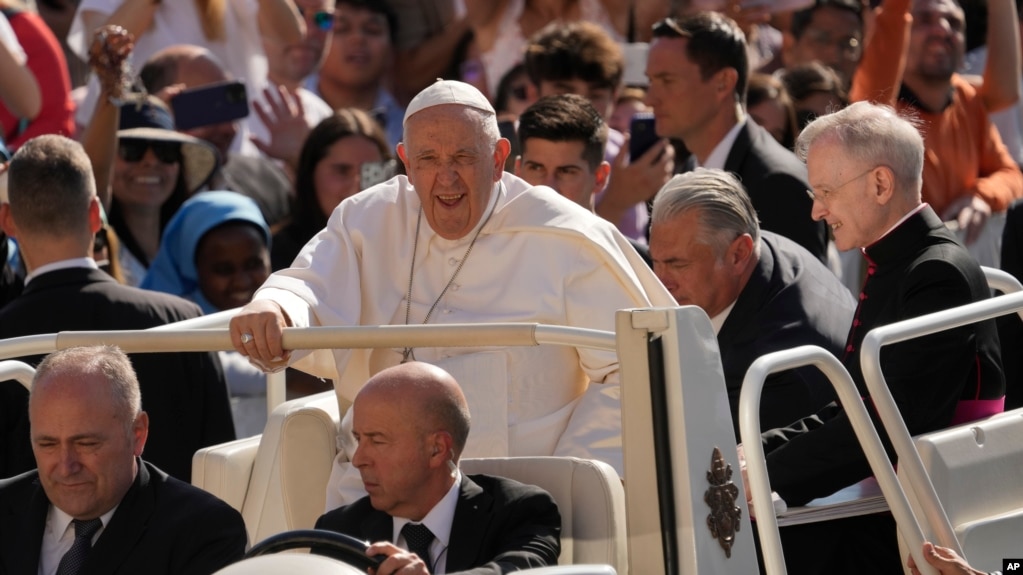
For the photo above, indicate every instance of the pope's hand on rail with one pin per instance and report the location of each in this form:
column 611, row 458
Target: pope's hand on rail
column 256, row 333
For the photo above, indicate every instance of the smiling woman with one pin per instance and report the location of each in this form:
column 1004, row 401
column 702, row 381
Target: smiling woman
column 216, row 252
column 155, row 170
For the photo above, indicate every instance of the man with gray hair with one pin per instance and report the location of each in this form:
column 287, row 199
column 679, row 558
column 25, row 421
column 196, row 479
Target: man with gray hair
column 762, row 292
column 865, row 166
column 458, row 240
column 93, row 505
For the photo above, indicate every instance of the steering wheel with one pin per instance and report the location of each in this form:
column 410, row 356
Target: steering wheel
column 329, row 543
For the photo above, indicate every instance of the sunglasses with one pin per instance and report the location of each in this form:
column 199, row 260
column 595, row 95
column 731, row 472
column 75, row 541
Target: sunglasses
column 132, row 150
column 323, row 20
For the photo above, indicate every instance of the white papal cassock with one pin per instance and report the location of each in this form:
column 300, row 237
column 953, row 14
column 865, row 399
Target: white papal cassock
column 539, row 258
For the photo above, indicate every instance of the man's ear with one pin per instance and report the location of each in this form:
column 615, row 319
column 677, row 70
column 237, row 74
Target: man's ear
column 140, row 432
column 6, row 221
column 725, row 82
column 740, row 250
column 518, row 166
column 884, row 184
column 95, row 215
column 501, row 152
column 601, row 177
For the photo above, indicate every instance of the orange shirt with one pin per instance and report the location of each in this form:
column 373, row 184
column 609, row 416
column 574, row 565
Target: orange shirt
column 963, row 153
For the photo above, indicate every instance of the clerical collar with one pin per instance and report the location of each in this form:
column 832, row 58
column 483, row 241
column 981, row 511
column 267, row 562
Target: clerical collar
column 908, row 215
column 906, row 95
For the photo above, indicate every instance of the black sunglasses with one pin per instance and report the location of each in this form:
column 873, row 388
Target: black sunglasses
column 132, row 150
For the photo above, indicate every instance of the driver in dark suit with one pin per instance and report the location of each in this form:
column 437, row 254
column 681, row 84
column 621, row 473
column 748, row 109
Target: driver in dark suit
column 424, row 516
column 93, row 506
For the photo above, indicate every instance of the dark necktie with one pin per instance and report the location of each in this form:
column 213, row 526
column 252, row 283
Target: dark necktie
column 419, row 537
column 72, row 561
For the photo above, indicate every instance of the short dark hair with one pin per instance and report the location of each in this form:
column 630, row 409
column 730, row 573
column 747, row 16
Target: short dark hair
column 379, row 7
column 566, row 118
column 801, row 19
column 578, row 50
column 50, row 185
column 715, row 43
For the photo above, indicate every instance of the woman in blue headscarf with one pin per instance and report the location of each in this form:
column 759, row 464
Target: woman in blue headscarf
column 215, row 251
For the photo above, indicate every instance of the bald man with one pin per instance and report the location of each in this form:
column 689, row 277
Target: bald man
column 423, row 515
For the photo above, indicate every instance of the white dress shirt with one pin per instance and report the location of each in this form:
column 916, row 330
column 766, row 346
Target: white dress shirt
column 59, row 535
column 439, row 521
column 719, row 155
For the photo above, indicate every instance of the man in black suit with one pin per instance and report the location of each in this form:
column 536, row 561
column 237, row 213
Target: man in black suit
column 762, row 292
column 411, row 422
column 698, row 69
column 93, row 506
column 865, row 164
column 54, row 213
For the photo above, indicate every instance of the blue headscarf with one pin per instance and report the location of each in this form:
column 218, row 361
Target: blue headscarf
column 173, row 269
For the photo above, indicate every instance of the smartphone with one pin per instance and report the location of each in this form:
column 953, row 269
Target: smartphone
column 507, row 129
column 210, row 104
column 373, row 173
column 642, row 135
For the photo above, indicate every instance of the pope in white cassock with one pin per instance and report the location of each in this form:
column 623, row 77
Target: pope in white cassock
column 460, row 241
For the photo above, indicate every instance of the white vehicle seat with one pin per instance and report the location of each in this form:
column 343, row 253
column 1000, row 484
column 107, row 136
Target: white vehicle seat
column 278, row 482
column 975, row 469
column 590, row 497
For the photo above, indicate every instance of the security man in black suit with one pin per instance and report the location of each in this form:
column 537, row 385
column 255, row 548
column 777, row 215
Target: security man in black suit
column 94, row 506
column 698, row 69
column 423, row 515
column 54, row 213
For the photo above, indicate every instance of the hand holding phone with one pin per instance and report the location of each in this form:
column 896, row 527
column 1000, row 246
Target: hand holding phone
column 210, row 104
column 642, row 135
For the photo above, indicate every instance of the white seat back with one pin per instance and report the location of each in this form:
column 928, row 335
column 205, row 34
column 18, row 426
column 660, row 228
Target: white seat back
column 976, row 470
column 589, row 495
column 278, row 480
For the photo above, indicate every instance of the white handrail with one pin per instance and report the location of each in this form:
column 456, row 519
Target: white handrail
column 756, row 464
column 870, row 361
column 1002, row 281
column 18, row 371
column 448, row 335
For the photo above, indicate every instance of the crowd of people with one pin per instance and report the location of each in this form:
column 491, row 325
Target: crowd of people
column 814, row 172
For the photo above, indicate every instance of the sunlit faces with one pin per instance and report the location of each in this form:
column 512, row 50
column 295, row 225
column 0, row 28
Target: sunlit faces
column 85, row 450
column 843, row 195
column 293, row 62
column 393, row 454
column 834, row 37
column 452, row 166
column 691, row 268
column 145, row 183
column 360, row 50
column 937, row 40
column 601, row 97
column 337, row 175
column 683, row 102
column 232, row 261
column 560, row 165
